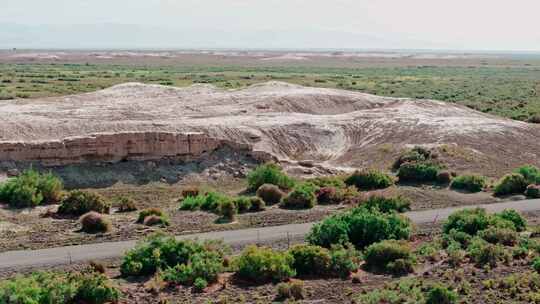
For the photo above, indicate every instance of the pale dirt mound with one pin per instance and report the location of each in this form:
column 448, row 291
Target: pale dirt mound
column 334, row 127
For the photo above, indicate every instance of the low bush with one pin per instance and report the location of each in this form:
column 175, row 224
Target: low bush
column 294, row 289
column 471, row 183
column 80, row 202
column 228, row 210
column 329, row 195
column 209, row 201
column 441, row 295
column 414, row 155
column 52, row 287
column 533, row 191
column 311, row 260
column 418, row 172
column 484, row 253
column 242, row 203
column 269, row 174
column 150, row 211
column 31, row 189
column 126, row 204
column 504, row 236
column 301, row 197
column 93, row 222
column 261, row 264
column 256, row 204
column 328, row 181
column 530, row 173
column 469, row 221
column 390, row 256
column 369, row 180
column 270, row 194
column 535, row 264
column 444, row 177
column 520, row 224
column 513, row 183
column 154, row 220
column 387, row 204
column 182, row 261
column 344, row 260
column 190, row 192
column 360, row 227
column 200, row 284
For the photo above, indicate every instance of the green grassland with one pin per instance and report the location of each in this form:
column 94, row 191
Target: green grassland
column 512, row 92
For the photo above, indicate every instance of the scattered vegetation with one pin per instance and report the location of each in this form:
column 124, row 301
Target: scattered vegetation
column 31, row 189
column 153, row 216
column 387, row 204
column 79, row 202
column 56, row 287
column 126, row 204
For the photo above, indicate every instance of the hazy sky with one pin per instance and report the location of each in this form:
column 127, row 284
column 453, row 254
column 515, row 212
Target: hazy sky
column 456, row 24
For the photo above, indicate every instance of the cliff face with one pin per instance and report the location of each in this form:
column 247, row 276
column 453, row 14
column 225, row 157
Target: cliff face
column 115, row 147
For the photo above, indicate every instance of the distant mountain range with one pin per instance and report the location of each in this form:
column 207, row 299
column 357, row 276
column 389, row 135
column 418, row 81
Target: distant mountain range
column 136, row 36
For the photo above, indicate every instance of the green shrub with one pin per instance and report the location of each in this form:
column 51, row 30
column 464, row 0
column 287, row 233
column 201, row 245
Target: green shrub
column 52, row 287
column 414, row 155
column 457, row 237
column 80, row 202
column 214, row 200
column 343, row 260
column 504, row 236
column 418, row 172
column 387, row 204
column 200, row 284
column 294, row 289
column 126, row 204
column 469, row 221
column 31, row 189
column 93, row 222
column 301, row 197
column 150, row 211
column 441, row 295
column 201, row 264
column 530, row 172
column 535, row 264
column 533, row 191
column 511, row 184
column 328, row 181
column 269, row 174
column 182, row 261
column 270, row 194
column 228, row 210
column 520, row 224
column 471, row 183
column 261, row 264
column 192, row 203
column 311, row 260
column 361, row 227
column 242, row 203
column 256, row 203
column 369, row 180
column 390, row 256
column 483, row 253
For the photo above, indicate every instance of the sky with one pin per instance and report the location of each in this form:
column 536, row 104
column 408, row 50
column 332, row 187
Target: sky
column 335, row 24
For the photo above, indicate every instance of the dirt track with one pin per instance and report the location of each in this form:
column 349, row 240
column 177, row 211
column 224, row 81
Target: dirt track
column 334, row 127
